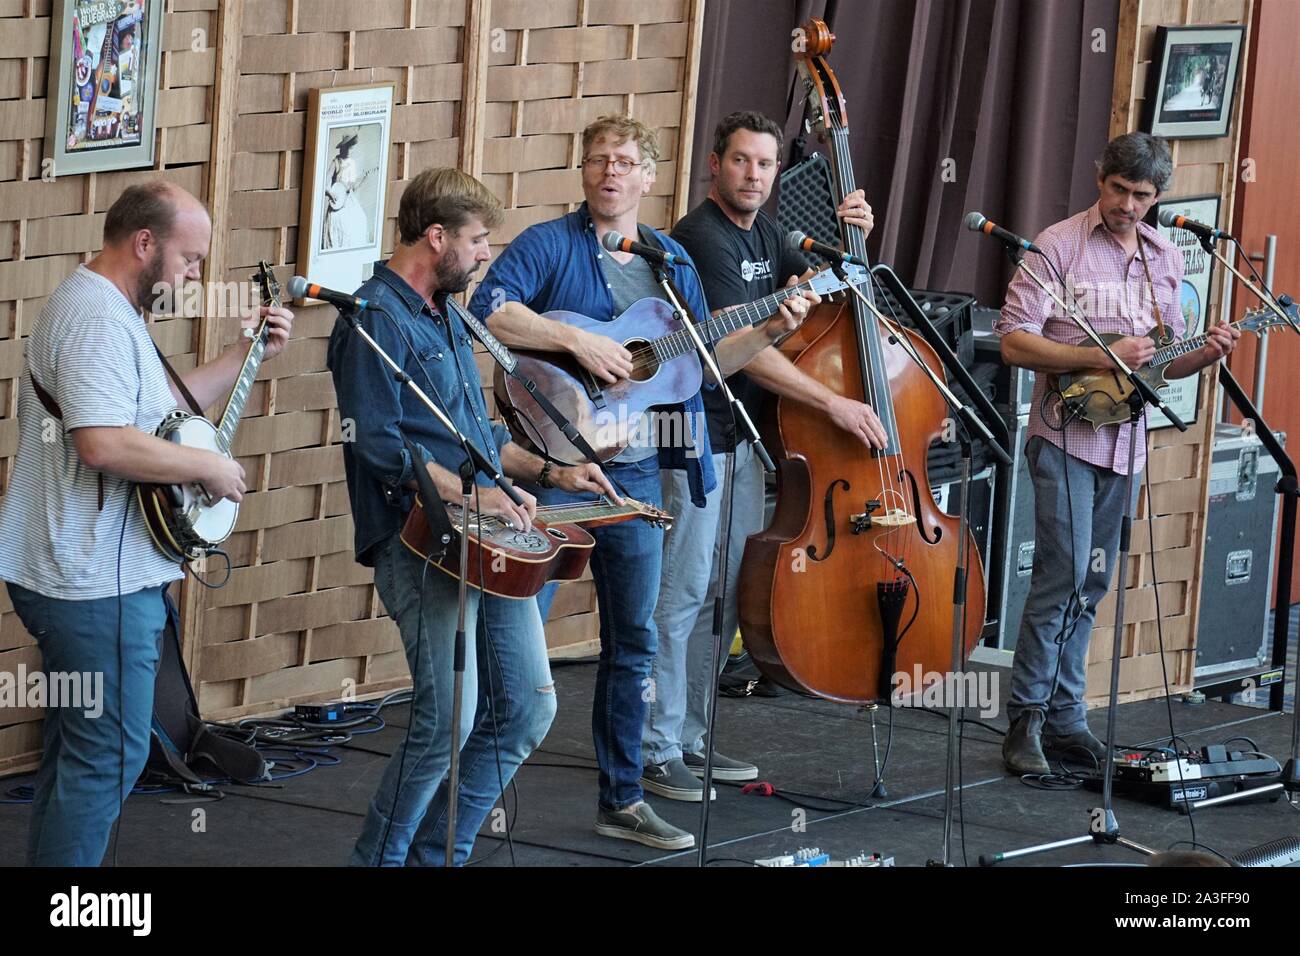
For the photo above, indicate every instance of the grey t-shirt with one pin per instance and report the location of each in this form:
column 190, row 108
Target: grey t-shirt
column 629, row 282
column 91, row 351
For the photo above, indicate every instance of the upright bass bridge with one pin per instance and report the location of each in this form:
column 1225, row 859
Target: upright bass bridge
column 887, row 518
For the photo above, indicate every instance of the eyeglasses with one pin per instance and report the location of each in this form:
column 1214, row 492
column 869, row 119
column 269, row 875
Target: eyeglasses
column 599, row 163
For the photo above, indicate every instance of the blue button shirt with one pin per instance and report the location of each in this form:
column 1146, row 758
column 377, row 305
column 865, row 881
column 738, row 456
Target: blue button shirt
column 376, row 410
column 556, row 265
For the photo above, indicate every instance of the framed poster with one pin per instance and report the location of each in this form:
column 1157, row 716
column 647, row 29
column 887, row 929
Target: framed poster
column 345, row 183
column 1184, row 394
column 1191, row 81
column 105, row 60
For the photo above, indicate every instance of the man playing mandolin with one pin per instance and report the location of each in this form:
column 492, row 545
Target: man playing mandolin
column 83, row 573
column 1132, row 275
column 443, row 224
column 561, row 265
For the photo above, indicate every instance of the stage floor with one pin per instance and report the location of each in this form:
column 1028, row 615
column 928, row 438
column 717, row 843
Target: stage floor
column 812, row 750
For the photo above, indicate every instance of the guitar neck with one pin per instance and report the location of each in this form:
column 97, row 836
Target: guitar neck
column 582, row 511
column 727, row 321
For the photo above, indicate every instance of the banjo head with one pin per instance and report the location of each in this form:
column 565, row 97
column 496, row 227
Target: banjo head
column 199, row 523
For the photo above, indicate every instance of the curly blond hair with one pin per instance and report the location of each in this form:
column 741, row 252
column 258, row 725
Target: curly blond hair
column 624, row 128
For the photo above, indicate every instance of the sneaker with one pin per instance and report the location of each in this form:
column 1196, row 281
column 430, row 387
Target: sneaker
column 724, row 768
column 674, row 781
column 640, row 824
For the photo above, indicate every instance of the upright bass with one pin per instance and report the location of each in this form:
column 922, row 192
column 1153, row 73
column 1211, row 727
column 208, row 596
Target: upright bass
column 853, row 582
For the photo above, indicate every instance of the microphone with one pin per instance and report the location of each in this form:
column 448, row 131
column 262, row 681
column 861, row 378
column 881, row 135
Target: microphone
column 802, row 242
column 617, row 243
column 978, row 222
column 1171, row 220
column 300, row 288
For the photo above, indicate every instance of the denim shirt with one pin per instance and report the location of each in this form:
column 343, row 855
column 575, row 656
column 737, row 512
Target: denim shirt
column 377, row 410
column 556, row 265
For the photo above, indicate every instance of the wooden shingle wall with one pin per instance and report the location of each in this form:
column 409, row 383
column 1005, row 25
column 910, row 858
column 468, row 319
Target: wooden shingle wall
column 1179, row 462
column 501, row 88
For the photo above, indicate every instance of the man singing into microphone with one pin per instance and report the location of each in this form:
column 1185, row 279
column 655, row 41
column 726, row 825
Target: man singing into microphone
column 443, row 224
column 561, row 265
column 84, row 576
column 1131, row 277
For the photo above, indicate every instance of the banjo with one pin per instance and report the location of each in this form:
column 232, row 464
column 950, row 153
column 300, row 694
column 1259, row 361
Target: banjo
column 184, row 522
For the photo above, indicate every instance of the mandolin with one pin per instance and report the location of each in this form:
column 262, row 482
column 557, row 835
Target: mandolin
column 508, row 562
column 1100, row 396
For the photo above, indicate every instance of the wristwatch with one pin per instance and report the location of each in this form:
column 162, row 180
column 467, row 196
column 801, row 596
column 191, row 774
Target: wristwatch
column 544, row 477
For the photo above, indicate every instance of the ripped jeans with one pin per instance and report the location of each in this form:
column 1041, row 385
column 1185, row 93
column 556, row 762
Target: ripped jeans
column 507, row 684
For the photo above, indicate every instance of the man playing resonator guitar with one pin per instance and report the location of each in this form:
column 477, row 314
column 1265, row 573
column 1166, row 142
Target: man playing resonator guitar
column 443, row 224
column 83, row 573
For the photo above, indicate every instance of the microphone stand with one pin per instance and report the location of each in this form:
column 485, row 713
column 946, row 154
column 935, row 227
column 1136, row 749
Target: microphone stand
column 1103, row 825
column 971, row 423
column 1289, row 488
column 476, row 462
column 683, row 314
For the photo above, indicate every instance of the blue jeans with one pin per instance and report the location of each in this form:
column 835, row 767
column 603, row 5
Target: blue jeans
column 678, row 715
column 507, row 685
column 91, row 760
column 625, row 565
column 1072, row 518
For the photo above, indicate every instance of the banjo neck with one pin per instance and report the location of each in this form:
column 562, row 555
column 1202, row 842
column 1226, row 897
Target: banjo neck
column 252, row 362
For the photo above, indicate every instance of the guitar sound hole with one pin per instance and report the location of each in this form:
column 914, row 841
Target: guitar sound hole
column 644, row 363
column 557, row 534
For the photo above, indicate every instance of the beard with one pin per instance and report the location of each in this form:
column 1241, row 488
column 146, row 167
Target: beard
column 740, row 202
column 149, row 279
column 453, row 279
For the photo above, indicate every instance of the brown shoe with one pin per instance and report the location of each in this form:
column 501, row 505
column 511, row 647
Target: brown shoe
column 1022, row 750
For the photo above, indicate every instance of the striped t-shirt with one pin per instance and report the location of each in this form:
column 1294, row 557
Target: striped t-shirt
column 91, row 351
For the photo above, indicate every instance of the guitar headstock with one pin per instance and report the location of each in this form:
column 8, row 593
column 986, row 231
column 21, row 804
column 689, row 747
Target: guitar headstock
column 654, row 516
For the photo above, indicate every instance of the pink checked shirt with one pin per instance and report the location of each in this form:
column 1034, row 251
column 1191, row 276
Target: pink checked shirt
column 1112, row 293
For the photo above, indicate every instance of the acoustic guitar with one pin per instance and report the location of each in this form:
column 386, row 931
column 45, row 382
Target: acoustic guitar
column 665, row 371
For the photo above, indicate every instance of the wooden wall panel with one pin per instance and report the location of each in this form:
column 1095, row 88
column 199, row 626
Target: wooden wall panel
column 47, row 227
column 499, row 87
column 1179, row 463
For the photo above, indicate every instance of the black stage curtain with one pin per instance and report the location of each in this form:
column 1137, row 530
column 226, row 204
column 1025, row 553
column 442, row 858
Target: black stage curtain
column 1012, row 91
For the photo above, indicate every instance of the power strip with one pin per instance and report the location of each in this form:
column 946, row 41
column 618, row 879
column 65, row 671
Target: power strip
column 813, row 856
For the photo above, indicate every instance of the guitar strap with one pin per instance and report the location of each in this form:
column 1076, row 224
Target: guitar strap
column 180, row 382
column 51, row 406
column 1151, row 288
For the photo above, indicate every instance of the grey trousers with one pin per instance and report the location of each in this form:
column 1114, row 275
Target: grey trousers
column 677, row 717
column 1074, row 558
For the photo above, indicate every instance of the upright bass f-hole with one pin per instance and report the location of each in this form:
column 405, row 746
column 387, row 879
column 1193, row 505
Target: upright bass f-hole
column 916, row 510
column 829, row 509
